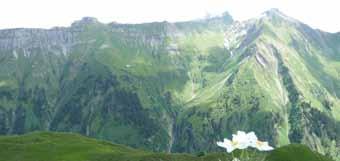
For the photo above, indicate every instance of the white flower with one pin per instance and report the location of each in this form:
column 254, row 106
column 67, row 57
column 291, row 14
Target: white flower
column 263, row 146
column 255, row 143
column 228, row 145
column 239, row 141
column 241, row 138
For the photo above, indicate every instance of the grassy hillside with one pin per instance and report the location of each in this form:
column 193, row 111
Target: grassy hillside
column 47, row 146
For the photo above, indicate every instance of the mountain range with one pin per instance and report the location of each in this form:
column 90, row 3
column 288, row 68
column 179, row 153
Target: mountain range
column 175, row 87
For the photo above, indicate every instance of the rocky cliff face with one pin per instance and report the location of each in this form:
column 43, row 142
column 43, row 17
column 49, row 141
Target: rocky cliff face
column 174, row 86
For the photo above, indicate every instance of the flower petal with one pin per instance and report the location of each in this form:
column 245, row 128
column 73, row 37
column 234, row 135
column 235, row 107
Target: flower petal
column 227, row 145
column 221, row 144
column 252, row 139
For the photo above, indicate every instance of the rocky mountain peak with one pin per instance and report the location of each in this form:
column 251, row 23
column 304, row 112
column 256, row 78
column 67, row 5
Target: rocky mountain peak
column 85, row 21
column 274, row 12
column 226, row 16
column 275, row 15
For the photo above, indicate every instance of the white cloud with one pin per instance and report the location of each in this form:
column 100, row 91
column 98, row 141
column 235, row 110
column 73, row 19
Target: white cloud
column 323, row 14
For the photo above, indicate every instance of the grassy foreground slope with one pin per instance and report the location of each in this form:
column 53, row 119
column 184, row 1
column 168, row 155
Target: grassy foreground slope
column 48, row 146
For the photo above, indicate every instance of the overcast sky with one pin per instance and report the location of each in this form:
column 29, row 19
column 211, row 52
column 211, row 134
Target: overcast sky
column 322, row 14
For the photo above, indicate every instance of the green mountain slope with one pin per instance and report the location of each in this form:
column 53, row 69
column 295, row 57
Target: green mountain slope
column 283, row 86
column 43, row 146
column 175, row 87
column 110, row 81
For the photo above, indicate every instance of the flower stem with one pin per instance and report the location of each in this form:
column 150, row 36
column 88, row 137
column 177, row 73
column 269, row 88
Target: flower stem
column 232, row 155
column 242, row 154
